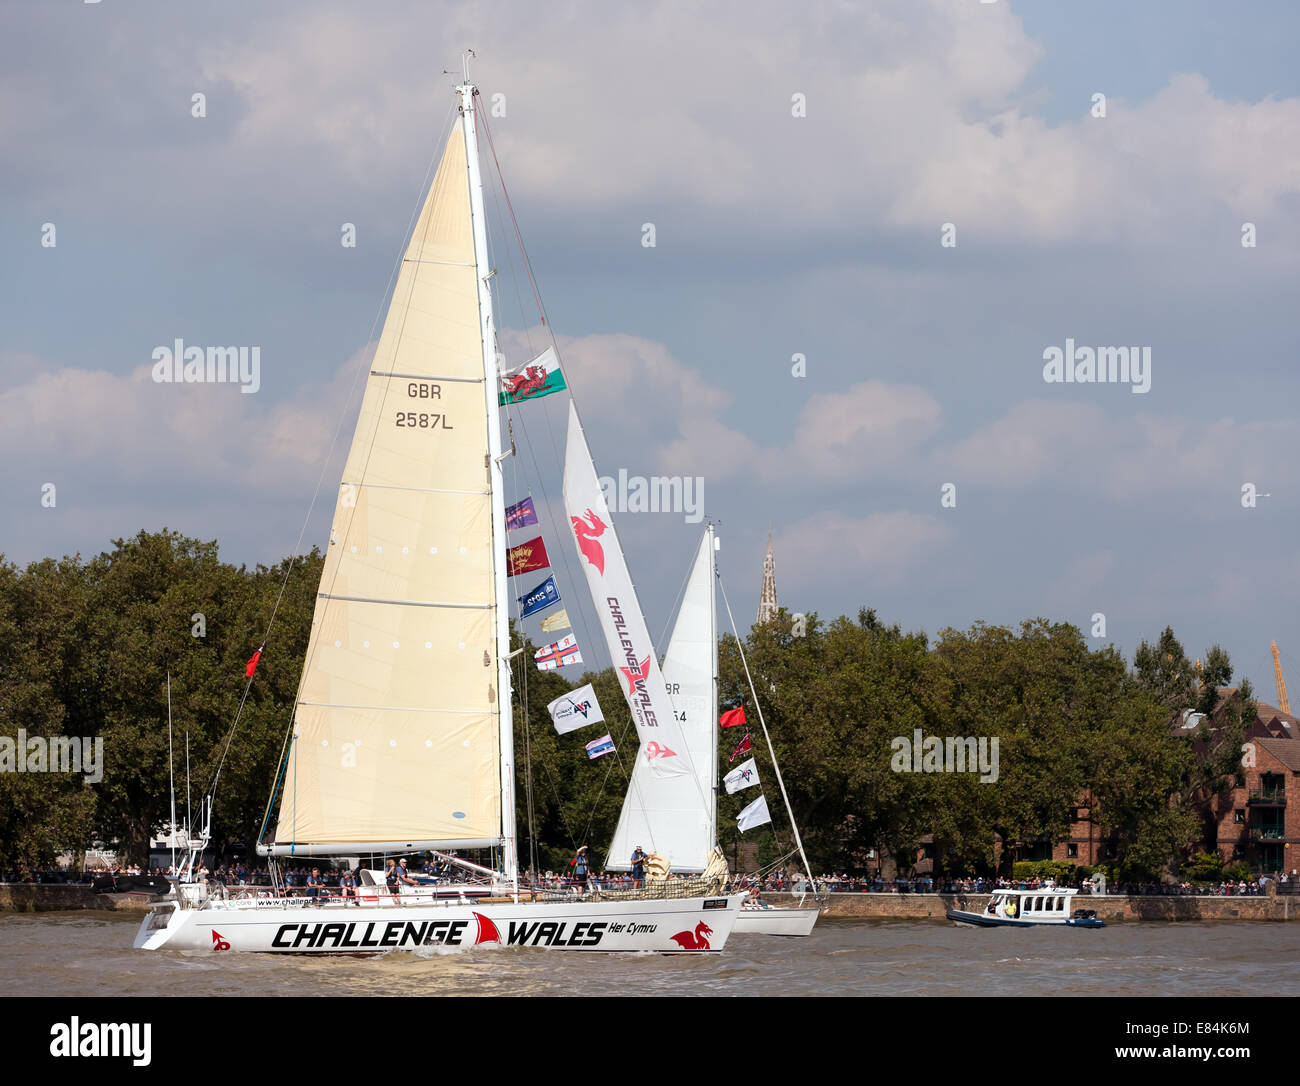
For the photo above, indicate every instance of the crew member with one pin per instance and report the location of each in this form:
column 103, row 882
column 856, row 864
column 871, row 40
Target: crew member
column 638, row 868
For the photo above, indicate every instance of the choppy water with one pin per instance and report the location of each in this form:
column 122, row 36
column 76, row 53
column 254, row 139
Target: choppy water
column 89, row 953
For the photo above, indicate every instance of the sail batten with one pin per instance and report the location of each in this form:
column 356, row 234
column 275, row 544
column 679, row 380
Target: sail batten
column 427, row 377
column 406, row 612
column 415, row 489
column 405, row 603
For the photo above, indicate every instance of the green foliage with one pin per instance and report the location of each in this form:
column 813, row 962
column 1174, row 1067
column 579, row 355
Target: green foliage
column 1239, row 872
column 1203, row 867
column 85, row 648
column 1061, row 872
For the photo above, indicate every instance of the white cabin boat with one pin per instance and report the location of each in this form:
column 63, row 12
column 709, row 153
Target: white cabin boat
column 761, row 919
column 1029, row 908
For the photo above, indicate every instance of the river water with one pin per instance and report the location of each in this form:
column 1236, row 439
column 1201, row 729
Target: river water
column 90, row 953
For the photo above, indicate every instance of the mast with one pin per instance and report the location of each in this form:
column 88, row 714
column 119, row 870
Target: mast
column 713, row 697
column 171, row 770
column 491, row 380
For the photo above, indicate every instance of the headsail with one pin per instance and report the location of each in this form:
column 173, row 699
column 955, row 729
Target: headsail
column 690, row 675
column 672, row 802
column 396, row 724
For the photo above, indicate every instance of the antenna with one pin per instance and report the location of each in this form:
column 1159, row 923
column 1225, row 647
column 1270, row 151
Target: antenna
column 171, row 769
column 464, row 61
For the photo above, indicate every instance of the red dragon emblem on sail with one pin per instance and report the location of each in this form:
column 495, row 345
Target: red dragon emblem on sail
column 523, row 385
column 694, row 940
column 586, row 534
column 634, row 675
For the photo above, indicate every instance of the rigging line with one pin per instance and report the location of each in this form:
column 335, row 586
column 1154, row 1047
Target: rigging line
column 514, row 274
column 492, row 146
column 580, row 578
column 523, row 705
column 555, row 791
column 516, row 416
column 338, row 427
column 591, row 816
column 681, row 593
column 550, row 429
column 779, row 780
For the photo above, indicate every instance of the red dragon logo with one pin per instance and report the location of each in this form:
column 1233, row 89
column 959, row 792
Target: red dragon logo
column 487, row 931
column 523, row 385
column 586, row 535
column 218, row 943
column 694, row 940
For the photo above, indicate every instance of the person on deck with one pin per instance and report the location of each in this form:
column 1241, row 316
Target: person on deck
column 580, row 869
column 638, row 869
column 391, row 876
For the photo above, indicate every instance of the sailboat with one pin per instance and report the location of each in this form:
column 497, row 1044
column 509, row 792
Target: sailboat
column 401, row 739
column 680, row 822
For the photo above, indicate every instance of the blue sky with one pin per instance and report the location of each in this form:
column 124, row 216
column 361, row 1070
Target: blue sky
column 776, row 235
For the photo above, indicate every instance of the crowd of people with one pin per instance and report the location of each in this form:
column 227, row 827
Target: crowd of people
column 305, row 881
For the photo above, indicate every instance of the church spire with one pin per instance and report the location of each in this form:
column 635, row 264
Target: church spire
column 767, row 597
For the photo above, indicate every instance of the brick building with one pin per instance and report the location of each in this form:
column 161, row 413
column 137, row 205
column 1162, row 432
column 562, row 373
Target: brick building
column 1257, row 822
column 1251, row 822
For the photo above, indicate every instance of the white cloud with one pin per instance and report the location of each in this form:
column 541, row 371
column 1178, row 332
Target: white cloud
column 916, row 116
column 876, row 551
column 1079, row 447
column 126, row 437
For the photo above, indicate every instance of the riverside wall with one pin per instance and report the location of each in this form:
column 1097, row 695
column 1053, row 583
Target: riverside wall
column 39, row 897
column 1109, row 907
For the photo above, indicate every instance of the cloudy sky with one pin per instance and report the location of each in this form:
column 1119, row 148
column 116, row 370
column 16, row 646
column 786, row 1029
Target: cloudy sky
column 776, row 235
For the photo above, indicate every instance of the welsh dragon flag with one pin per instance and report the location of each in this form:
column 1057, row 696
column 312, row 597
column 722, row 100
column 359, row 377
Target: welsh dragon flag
column 533, row 380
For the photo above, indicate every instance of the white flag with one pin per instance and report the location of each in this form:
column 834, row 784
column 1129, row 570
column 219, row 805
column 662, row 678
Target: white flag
column 575, row 710
column 743, row 776
column 754, row 815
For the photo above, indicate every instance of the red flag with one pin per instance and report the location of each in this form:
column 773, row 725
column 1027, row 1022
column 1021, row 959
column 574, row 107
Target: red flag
column 528, row 557
column 733, row 713
column 744, row 748
column 252, row 664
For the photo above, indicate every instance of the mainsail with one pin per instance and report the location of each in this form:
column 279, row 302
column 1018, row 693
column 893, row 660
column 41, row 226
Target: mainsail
column 396, row 736
column 666, row 789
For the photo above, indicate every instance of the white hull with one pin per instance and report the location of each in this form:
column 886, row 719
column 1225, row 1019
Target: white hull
column 776, row 921
column 666, row 925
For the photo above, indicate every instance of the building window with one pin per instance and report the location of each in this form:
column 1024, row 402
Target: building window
column 1239, row 817
column 1071, row 852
